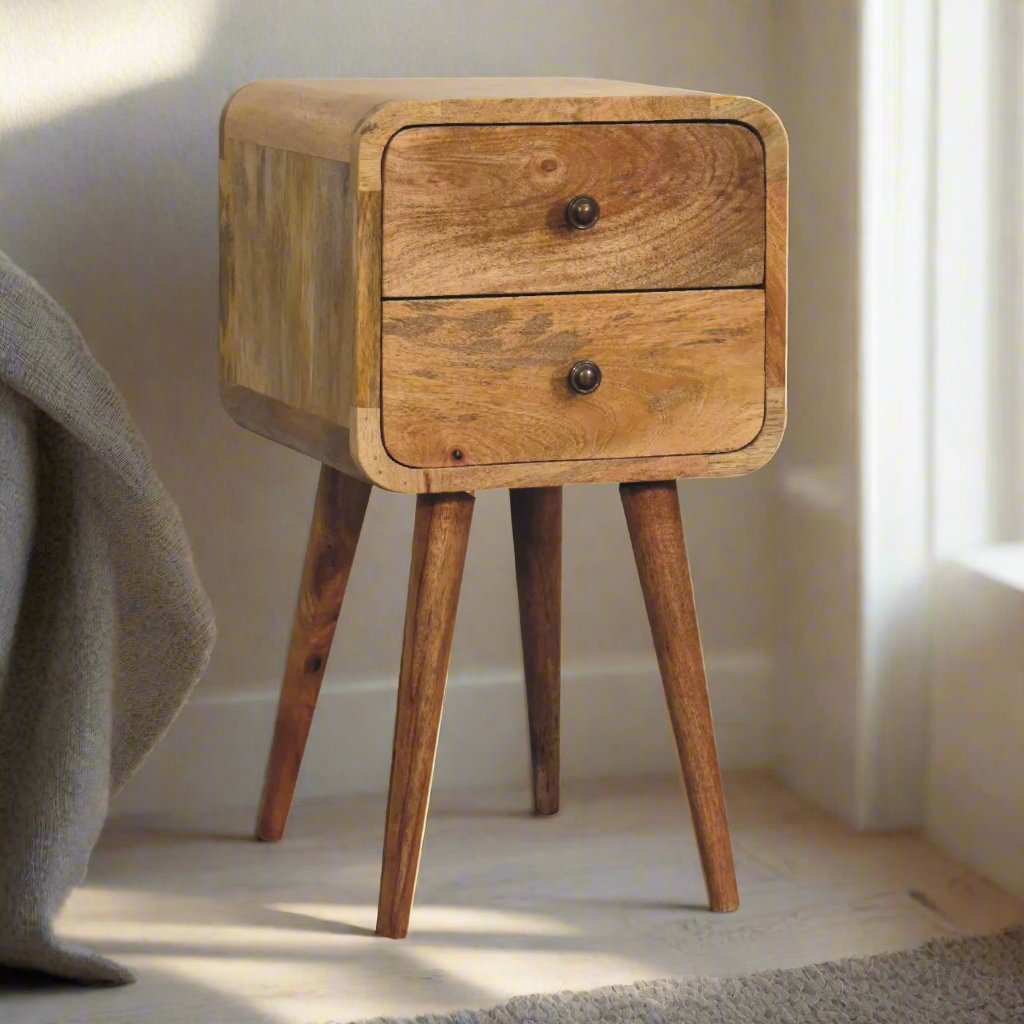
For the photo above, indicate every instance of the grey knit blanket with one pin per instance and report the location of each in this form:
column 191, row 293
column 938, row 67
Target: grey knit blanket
column 104, row 627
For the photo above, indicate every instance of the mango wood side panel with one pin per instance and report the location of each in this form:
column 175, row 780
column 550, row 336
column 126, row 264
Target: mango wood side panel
column 656, row 531
column 484, row 381
column 314, row 436
column 283, row 257
column 333, row 535
column 440, row 536
column 478, row 210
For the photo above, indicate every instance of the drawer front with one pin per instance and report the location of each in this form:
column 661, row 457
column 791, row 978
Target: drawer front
column 486, row 381
column 480, row 209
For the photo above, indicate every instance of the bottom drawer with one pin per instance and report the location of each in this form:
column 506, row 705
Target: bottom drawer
column 485, row 381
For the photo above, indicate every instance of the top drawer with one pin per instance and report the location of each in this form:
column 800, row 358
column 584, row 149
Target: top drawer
column 480, row 209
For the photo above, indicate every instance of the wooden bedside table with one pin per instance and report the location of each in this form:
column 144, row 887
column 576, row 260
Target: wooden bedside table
column 440, row 285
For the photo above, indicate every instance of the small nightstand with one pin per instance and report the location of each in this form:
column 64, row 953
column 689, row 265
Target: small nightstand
column 440, row 285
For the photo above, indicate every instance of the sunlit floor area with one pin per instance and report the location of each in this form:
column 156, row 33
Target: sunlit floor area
column 221, row 928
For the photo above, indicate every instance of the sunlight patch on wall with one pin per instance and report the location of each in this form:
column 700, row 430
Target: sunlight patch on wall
column 59, row 56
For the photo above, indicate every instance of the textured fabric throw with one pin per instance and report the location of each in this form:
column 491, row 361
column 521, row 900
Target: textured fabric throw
column 104, row 627
column 960, row 981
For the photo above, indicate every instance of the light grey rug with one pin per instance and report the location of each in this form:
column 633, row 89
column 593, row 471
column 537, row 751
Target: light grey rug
column 960, row 981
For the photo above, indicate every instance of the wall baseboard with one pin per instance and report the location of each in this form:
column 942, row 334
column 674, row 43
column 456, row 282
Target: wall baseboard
column 614, row 722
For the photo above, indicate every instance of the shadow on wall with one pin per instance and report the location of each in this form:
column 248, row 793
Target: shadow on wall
column 113, row 206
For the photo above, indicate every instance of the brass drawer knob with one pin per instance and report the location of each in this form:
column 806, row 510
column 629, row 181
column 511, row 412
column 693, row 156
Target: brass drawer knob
column 585, row 377
column 582, row 212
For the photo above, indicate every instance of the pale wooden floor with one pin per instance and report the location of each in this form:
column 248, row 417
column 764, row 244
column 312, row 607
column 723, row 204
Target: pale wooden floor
column 224, row 929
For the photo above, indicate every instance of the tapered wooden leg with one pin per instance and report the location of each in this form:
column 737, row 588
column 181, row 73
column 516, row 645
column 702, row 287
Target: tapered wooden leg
column 337, row 520
column 435, row 577
column 656, row 530
column 537, row 536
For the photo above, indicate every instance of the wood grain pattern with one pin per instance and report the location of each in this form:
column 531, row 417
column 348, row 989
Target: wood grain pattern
column 282, row 300
column 324, row 116
column 471, row 210
column 537, row 538
column 754, row 455
column 333, row 535
column 366, row 426
column 484, row 381
column 326, row 442
column 440, row 537
column 350, row 123
column 656, row 531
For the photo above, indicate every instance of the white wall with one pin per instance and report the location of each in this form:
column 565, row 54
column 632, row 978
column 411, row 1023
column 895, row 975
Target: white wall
column 816, row 522
column 975, row 804
column 108, row 142
column 900, row 676
column 976, row 772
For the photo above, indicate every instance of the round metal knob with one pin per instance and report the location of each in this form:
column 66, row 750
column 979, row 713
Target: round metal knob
column 582, row 212
column 585, row 377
